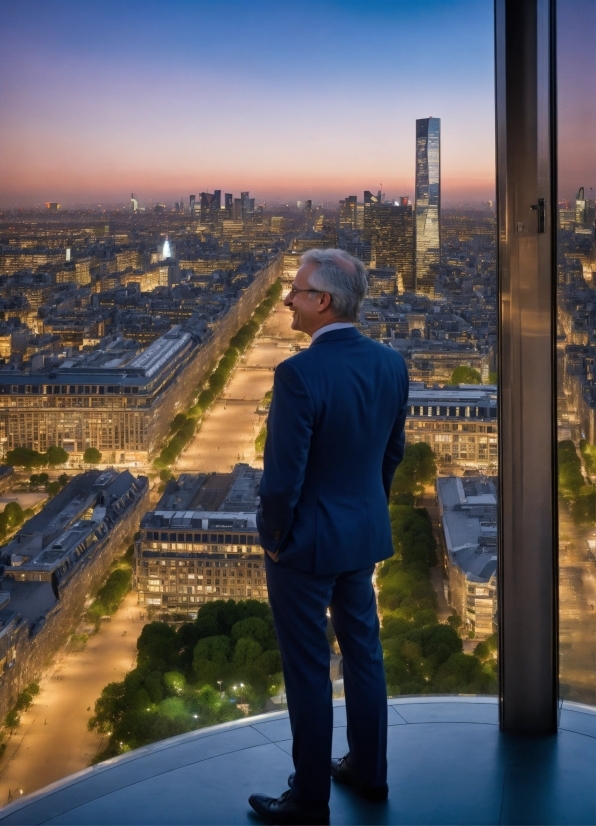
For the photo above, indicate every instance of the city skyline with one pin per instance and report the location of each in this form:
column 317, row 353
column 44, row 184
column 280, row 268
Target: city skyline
column 168, row 100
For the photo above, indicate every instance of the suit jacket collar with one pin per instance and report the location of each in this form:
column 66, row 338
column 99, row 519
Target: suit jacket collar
column 337, row 335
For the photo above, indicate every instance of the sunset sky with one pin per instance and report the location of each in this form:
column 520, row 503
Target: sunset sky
column 285, row 99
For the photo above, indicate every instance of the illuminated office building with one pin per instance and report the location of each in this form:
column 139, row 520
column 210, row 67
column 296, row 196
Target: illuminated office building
column 459, row 423
column 201, row 543
column 347, row 212
column 390, row 229
column 580, row 207
column 428, row 203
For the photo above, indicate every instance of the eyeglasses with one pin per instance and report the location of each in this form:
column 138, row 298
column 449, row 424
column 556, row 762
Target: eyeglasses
column 293, row 291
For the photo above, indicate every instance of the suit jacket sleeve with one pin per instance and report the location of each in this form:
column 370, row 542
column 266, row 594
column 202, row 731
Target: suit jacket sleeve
column 289, row 431
column 394, row 452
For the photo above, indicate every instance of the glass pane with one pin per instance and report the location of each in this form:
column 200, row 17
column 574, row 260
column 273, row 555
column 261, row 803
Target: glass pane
column 577, row 348
column 93, row 281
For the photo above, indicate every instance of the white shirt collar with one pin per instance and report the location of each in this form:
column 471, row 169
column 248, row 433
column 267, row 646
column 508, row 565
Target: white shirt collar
column 335, row 325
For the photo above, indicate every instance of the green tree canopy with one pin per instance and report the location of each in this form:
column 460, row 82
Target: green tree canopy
column 588, row 451
column 92, row 456
column 571, row 478
column 465, row 375
column 255, row 628
column 184, row 677
column 206, row 398
column 174, row 681
column 177, row 422
column 417, row 470
column 56, row 455
column 13, row 513
column 25, row 457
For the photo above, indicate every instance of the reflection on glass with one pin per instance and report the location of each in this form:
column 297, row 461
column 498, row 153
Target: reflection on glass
column 105, row 277
column 577, row 349
column 428, row 203
column 438, row 595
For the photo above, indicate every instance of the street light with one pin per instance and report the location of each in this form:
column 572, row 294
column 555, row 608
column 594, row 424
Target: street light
column 219, row 682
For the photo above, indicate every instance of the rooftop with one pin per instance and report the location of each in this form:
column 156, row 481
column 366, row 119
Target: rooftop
column 448, row 764
column 468, row 509
column 462, row 393
column 195, row 499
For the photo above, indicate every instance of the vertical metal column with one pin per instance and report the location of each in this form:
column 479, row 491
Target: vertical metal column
column 526, row 219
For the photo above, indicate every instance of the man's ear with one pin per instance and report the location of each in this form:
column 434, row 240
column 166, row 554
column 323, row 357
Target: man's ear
column 324, row 302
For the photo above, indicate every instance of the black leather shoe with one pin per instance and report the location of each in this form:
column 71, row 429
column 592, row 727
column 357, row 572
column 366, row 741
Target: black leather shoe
column 341, row 771
column 282, row 810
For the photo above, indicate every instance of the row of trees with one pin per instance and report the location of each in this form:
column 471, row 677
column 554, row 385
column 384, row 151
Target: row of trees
column 262, row 434
column 191, row 677
column 114, row 589
column 579, row 493
column 54, row 456
column 28, row 458
column 13, row 718
column 42, row 480
column 185, row 425
column 423, row 656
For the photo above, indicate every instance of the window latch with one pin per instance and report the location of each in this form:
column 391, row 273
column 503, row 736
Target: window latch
column 540, row 208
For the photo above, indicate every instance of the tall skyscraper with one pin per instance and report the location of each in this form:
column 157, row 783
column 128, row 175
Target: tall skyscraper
column 428, row 203
column 580, row 207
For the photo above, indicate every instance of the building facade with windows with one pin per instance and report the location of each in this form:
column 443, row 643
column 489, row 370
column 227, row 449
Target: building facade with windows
column 121, row 397
column 54, row 562
column 390, row 230
column 459, row 423
column 201, row 543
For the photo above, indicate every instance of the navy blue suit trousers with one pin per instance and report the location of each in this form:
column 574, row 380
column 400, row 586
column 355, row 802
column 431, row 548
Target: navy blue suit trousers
column 299, row 601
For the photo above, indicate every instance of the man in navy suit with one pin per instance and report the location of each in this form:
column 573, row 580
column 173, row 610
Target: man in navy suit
column 335, row 437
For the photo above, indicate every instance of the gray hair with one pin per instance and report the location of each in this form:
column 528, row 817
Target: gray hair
column 342, row 276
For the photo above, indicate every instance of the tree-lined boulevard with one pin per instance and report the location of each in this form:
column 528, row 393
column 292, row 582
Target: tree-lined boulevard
column 52, row 740
column 231, row 424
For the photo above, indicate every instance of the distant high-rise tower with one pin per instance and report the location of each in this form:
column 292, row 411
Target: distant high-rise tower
column 192, row 204
column 389, row 230
column 580, row 207
column 347, row 212
column 428, row 203
column 134, row 204
column 247, row 206
column 210, row 205
column 308, row 214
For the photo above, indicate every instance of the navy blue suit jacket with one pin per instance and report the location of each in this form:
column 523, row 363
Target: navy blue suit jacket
column 335, row 436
